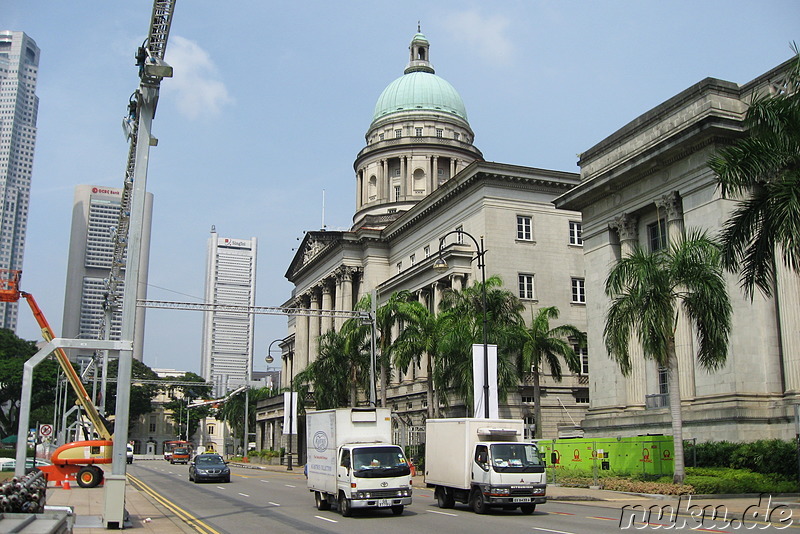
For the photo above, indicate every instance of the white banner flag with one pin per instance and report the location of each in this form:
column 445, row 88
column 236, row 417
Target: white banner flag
column 290, row 409
column 478, row 382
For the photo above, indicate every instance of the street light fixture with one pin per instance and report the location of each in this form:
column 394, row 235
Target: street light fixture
column 440, row 266
column 290, row 356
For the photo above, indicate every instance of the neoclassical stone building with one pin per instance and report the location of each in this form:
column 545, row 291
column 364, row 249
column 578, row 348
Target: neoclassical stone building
column 646, row 184
column 419, row 177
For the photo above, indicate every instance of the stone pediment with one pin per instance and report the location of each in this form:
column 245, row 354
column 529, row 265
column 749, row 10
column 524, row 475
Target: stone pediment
column 313, row 246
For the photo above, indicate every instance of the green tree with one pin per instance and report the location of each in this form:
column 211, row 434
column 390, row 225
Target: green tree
column 232, row 411
column 462, row 326
column 14, row 352
column 647, row 290
column 141, row 394
column 762, row 171
column 542, row 345
column 179, row 396
column 341, row 367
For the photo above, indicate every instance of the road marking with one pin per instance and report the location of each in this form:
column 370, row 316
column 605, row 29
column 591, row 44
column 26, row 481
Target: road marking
column 289, row 486
column 262, row 480
column 244, row 495
column 220, row 487
column 443, row 513
column 273, row 503
column 326, row 519
column 603, row 518
column 560, row 513
column 550, row 530
column 191, row 520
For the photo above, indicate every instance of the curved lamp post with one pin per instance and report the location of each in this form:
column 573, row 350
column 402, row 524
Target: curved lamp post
column 270, row 359
column 441, row 266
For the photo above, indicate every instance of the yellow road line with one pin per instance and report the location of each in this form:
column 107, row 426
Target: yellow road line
column 185, row 516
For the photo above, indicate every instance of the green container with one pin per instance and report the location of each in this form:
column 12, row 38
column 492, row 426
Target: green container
column 652, row 455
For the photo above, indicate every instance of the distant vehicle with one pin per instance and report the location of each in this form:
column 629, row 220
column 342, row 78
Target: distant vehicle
column 129, row 453
column 209, row 467
column 9, row 464
column 180, row 455
column 169, row 446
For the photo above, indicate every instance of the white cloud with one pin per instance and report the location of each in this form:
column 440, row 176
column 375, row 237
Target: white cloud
column 199, row 91
column 486, row 34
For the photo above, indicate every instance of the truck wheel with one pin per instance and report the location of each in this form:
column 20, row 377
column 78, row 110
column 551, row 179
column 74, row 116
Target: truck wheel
column 397, row 510
column 344, row 506
column 321, row 501
column 479, row 504
column 88, row 477
column 444, row 498
column 527, row 509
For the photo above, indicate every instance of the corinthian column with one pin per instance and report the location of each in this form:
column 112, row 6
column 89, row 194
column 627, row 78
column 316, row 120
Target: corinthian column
column 627, row 228
column 327, row 304
column 313, row 326
column 301, row 337
column 787, row 295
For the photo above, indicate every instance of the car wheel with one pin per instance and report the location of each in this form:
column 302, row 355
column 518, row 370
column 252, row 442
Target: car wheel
column 397, row 510
column 527, row 509
column 88, row 477
column 479, row 504
column 444, row 498
column 344, row 506
column 321, row 501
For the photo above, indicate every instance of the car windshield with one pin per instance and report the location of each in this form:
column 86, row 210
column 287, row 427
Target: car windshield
column 210, row 460
column 516, row 458
column 377, row 462
column 180, row 451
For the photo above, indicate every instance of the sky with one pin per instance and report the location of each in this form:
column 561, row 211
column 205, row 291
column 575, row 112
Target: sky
column 270, row 101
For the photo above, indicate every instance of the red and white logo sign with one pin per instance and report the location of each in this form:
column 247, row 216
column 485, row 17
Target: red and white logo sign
column 45, row 430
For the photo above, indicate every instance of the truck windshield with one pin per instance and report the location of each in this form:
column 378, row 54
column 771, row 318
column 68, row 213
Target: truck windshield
column 516, row 458
column 379, row 462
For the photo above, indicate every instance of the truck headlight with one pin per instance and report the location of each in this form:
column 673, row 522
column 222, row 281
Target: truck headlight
column 499, row 491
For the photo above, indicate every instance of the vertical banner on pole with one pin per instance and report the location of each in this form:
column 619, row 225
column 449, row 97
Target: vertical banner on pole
column 477, row 381
column 290, row 410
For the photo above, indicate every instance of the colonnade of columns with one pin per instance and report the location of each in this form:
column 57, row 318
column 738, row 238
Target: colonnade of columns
column 384, row 191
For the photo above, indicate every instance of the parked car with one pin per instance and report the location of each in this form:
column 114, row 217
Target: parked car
column 9, row 464
column 129, row 453
column 180, row 455
column 209, row 467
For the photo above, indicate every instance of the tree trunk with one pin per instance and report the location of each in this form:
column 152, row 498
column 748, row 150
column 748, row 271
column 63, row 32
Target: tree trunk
column 675, row 413
column 432, row 406
column 537, row 406
column 383, row 383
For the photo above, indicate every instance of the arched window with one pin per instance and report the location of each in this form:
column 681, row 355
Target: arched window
column 373, row 188
column 419, row 182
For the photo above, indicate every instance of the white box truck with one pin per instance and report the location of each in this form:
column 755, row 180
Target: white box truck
column 483, row 463
column 352, row 463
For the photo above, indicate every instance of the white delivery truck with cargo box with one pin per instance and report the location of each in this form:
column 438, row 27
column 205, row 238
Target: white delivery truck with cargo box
column 352, row 463
column 483, row 463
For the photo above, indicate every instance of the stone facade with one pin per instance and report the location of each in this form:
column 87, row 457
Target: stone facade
column 646, row 184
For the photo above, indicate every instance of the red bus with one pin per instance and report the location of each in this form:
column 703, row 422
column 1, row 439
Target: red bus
column 169, row 446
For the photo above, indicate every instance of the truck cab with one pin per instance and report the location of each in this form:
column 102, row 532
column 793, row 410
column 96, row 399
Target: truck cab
column 373, row 476
column 509, row 475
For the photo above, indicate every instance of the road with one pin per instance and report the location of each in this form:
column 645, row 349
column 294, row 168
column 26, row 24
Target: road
column 278, row 501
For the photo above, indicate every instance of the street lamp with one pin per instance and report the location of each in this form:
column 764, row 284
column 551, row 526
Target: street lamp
column 441, row 266
column 270, row 359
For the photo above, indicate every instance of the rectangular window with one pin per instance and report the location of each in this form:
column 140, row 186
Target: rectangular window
column 581, row 399
column 524, row 228
column 398, row 134
column 657, row 235
column 456, row 136
column 427, row 250
column 439, row 132
column 210, row 429
column 460, row 235
column 575, row 233
column 152, row 427
column 526, row 286
column 418, row 132
column 381, row 137
column 663, row 380
column 583, row 354
column 579, row 290
column 396, row 193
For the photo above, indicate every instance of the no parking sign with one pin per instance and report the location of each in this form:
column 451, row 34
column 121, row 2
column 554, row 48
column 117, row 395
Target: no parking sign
column 45, row 431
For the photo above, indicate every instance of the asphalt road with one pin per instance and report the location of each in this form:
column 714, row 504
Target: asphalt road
column 277, row 502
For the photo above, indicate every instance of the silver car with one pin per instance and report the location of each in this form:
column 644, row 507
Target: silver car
column 209, row 467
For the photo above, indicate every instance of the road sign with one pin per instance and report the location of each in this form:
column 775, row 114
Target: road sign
column 45, row 430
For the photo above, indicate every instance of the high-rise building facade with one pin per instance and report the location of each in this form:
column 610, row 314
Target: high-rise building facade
column 95, row 213
column 227, row 335
column 19, row 66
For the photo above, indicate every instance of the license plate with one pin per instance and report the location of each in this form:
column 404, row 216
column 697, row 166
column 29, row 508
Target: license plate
column 384, row 502
column 521, row 499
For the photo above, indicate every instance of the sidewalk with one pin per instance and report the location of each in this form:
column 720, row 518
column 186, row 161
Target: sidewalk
column 147, row 516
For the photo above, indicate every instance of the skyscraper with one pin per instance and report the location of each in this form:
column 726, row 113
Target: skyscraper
column 19, row 65
column 95, row 214
column 228, row 336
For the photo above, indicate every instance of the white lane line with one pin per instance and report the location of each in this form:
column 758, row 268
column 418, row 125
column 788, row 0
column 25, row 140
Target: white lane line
column 273, row 503
column 551, row 530
column 244, row 495
column 326, row 519
column 442, row 513
column 220, row 487
column 262, row 480
column 289, row 486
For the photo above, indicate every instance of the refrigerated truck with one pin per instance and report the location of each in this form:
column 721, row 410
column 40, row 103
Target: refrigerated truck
column 352, row 463
column 483, row 463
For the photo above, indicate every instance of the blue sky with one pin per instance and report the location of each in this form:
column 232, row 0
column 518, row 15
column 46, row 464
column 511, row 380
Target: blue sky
column 271, row 101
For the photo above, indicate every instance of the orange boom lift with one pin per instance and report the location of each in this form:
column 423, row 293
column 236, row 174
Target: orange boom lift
column 77, row 460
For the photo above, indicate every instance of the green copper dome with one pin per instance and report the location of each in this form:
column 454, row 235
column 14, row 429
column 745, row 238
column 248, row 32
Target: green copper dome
column 422, row 91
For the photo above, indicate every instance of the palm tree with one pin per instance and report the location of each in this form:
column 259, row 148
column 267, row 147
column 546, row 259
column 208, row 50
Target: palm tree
column 462, row 326
column 646, row 290
column 544, row 345
column 341, row 367
column 762, row 170
column 420, row 335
